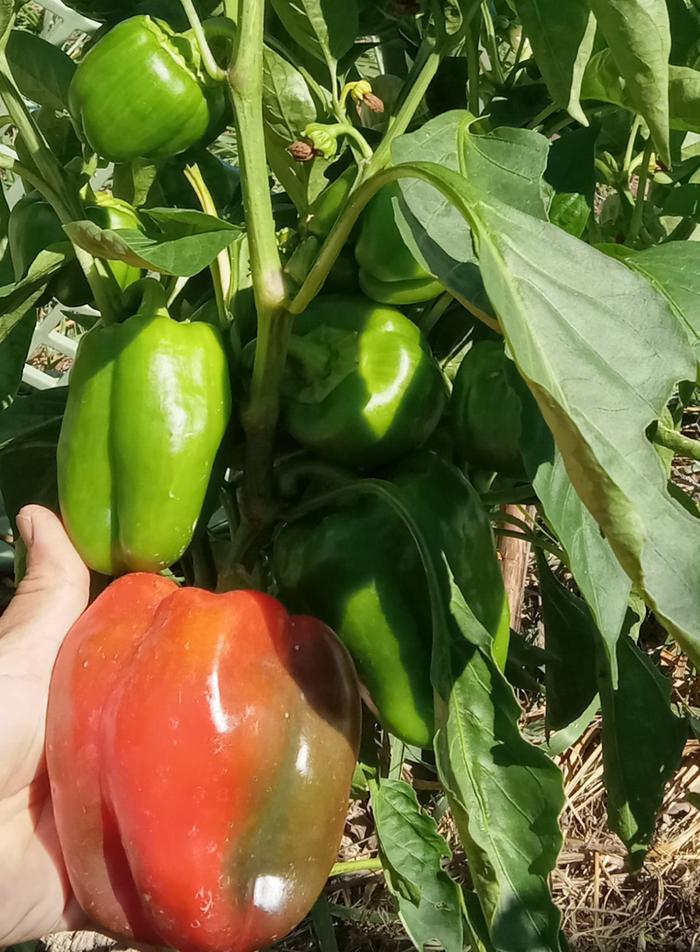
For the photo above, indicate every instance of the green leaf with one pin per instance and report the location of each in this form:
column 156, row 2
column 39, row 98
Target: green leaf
column 17, row 299
column 602, row 81
column 325, row 28
column 13, row 354
column 7, row 9
column 569, row 339
column 42, row 72
column 570, row 637
column 599, row 576
column 642, row 745
column 639, row 37
column 505, row 795
column 561, row 36
column 323, row 925
column 28, row 470
column 674, row 268
column 430, row 903
column 30, row 415
column 288, row 107
column 511, row 162
column 173, row 241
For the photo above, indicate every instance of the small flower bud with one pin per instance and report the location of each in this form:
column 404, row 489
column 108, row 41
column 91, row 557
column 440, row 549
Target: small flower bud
column 301, row 150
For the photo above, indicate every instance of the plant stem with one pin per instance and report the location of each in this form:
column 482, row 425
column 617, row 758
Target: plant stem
column 473, row 70
column 422, row 73
column 638, row 213
column 542, row 116
column 492, row 44
column 369, row 864
column 629, row 151
column 245, row 78
column 673, row 440
column 212, row 68
column 535, row 540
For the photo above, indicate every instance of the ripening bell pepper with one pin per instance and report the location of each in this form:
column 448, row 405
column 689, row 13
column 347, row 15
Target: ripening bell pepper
column 34, row 225
column 357, row 568
column 388, row 271
column 148, row 404
column 141, row 92
column 200, row 750
column 485, row 411
column 362, row 386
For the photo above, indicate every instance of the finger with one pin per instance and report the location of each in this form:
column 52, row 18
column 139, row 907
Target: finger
column 55, row 588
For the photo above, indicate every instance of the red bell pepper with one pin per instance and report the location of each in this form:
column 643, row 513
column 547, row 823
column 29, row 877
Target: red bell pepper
column 200, row 749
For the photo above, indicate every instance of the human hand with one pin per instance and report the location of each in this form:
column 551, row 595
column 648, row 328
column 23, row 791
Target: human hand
column 35, row 895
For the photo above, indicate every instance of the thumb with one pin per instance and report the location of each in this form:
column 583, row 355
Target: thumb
column 55, row 589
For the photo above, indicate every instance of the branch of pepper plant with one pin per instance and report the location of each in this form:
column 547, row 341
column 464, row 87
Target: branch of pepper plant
column 245, row 78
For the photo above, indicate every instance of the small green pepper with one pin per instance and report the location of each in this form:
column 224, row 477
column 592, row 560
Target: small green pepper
column 485, row 411
column 148, row 404
column 362, row 386
column 141, row 92
column 388, row 271
column 357, row 569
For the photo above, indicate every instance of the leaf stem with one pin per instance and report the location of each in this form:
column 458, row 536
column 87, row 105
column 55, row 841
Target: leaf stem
column 245, row 78
column 673, row 440
column 492, row 44
column 629, row 151
column 473, row 70
column 221, row 266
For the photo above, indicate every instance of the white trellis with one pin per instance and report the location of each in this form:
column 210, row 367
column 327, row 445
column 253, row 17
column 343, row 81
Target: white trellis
column 58, row 26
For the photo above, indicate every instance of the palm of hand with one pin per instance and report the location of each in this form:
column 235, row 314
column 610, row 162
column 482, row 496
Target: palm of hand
column 35, row 895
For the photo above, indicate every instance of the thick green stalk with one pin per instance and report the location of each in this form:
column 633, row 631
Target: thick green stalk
column 245, row 78
column 673, row 440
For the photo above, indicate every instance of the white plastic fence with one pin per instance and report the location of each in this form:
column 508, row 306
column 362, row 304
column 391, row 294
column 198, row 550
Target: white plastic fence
column 59, row 23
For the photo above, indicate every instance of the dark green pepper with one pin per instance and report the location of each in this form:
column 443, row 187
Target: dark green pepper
column 485, row 411
column 388, row 271
column 362, row 386
column 325, row 210
column 358, row 570
column 34, row 226
column 148, row 404
column 141, row 92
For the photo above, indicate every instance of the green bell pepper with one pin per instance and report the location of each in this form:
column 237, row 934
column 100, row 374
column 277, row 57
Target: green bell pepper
column 34, row 226
column 362, row 386
column 358, row 570
column 148, row 404
column 485, row 411
column 388, row 271
column 141, row 92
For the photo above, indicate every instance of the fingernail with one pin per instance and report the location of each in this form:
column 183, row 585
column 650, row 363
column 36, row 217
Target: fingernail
column 26, row 527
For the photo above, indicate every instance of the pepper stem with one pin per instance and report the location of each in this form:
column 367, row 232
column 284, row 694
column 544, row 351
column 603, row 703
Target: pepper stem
column 245, row 78
column 212, row 68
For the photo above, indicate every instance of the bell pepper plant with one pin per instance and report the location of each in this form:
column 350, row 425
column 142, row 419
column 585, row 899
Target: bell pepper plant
column 386, row 307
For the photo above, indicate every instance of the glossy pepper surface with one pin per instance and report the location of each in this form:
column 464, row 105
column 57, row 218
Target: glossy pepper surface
column 388, row 271
column 34, row 226
column 140, row 92
column 362, row 384
column 200, row 750
column 148, row 404
column 485, row 411
column 357, row 568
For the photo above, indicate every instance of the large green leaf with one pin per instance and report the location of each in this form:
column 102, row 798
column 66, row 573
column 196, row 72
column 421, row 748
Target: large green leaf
column 505, row 797
column 570, row 638
column 325, row 28
column 430, row 902
column 13, row 354
column 643, row 741
column 575, row 319
column 601, row 351
column 30, row 415
column 602, row 81
column 601, row 579
column 41, row 71
column 511, row 162
column 172, row 241
column 639, row 37
column 561, row 35
column 674, row 268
